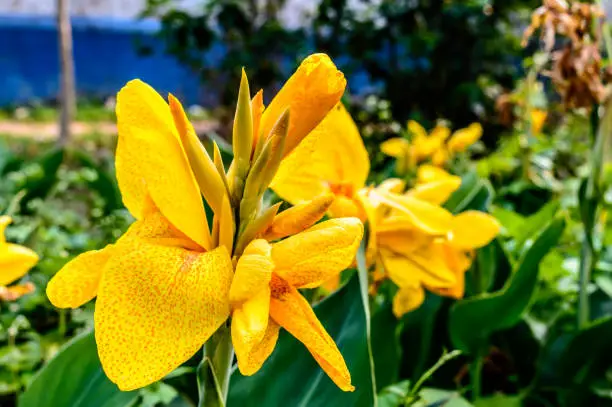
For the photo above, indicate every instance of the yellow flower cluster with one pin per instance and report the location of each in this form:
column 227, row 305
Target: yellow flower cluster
column 412, row 240
column 436, row 146
column 172, row 279
column 15, row 262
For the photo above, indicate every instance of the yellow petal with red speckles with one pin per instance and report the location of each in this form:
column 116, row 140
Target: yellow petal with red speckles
column 310, row 258
column 291, row 311
column 156, row 307
column 77, row 282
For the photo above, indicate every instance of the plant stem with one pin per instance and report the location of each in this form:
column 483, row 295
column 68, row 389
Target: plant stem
column 215, row 370
column 591, row 203
column 445, row 358
column 476, row 375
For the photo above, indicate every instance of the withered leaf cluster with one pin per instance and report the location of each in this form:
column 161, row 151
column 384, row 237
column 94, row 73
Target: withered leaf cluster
column 576, row 71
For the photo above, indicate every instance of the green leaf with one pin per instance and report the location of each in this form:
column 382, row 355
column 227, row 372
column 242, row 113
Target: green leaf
column 536, row 222
column 439, row 397
column 394, row 395
column 74, row 378
column 587, row 350
column 291, row 377
column 474, row 193
column 472, row 321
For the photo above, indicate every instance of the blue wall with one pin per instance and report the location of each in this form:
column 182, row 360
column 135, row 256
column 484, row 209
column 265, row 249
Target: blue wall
column 105, row 59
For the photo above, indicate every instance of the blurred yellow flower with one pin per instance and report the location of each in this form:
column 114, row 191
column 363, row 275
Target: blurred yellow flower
column 15, row 261
column 433, row 146
column 412, row 239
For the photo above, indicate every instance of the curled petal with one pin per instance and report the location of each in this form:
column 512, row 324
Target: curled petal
column 15, row 262
column 291, row 311
column 310, row 258
column 156, row 307
column 77, row 282
column 473, row 230
column 151, row 161
column 310, row 93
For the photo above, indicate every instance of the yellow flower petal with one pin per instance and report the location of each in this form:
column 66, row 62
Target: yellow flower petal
column 408, row 299
column 344, row 207
column 463, row 138
column 473, row 230
column 440, row 157
column 396, row 147
column 291, row 311
column 394, row 185
column 310, row 94
column 426, row 265
column 402, row 241
column 308, row 259
column 150, row 160
column 253, row 271
column 436, row 192
column 332, row 154
column 15, row 262
column 250, row 361
column 156, row 306
column 77, row 282
column 428, row 218
column 417, row 130
column 257, row 107
column 206, row 175
column 249, row 325
column 428, row 173
column 298, row 218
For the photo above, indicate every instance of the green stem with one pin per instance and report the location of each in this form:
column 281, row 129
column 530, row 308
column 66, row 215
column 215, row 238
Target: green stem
column 476, row 376
column 445, row 358
column 215, row 370
column 476, row 365
column 592, row 198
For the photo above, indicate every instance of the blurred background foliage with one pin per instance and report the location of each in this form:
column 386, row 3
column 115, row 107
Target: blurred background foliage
column 435, row 61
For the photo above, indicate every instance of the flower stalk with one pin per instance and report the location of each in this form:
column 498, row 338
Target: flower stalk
column 215, row 369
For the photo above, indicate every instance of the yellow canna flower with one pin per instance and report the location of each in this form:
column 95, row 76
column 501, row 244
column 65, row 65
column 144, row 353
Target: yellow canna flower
column 162, row 288
column 15, row 260
column 168, row 283
column 463, row 138
column 412, row 238
column 264, row 294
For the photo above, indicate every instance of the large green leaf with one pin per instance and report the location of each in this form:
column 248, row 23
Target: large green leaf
column 74, row 378
column 473, row 320
column 291, row 377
